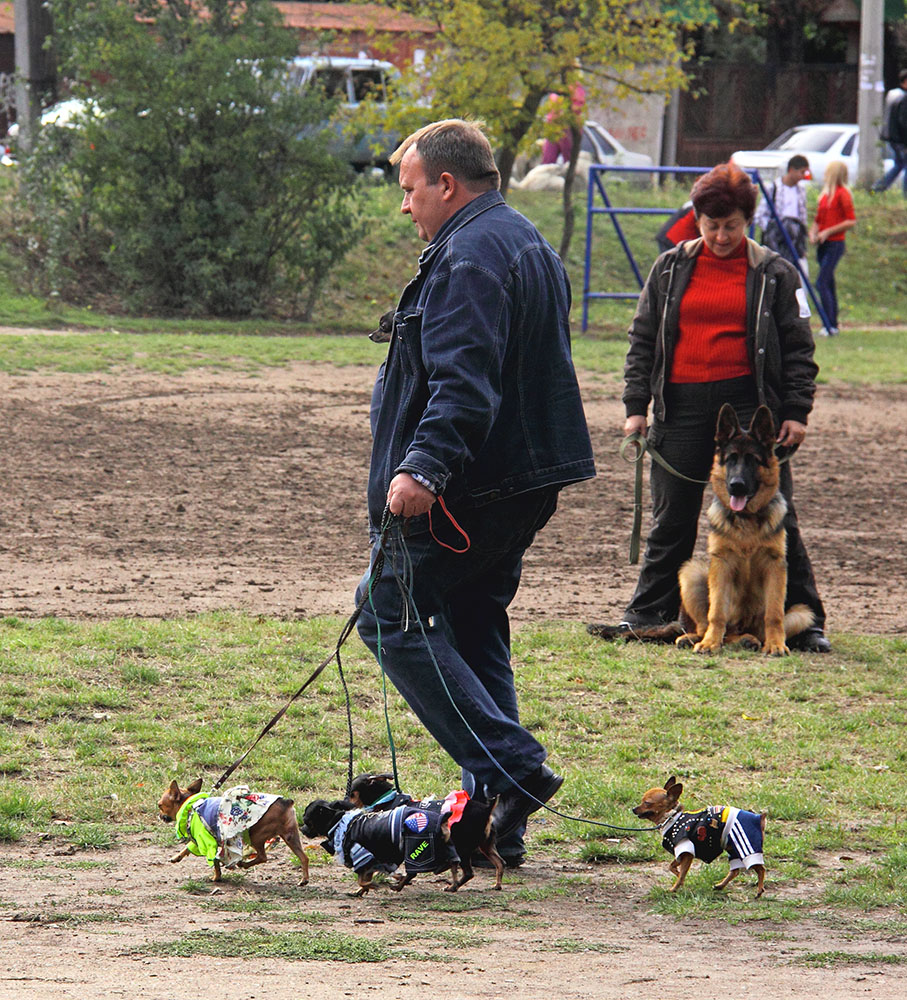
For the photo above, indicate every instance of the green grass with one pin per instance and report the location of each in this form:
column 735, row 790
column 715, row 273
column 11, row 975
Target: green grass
column 308, row 945
column 864, row 357
column 872, row 282
column 815, row 741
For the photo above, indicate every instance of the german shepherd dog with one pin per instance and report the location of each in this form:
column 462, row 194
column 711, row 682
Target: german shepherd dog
column 738, row 595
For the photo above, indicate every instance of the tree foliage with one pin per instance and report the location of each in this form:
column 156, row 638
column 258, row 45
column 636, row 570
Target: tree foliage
column 197, row 181
column 499, row 59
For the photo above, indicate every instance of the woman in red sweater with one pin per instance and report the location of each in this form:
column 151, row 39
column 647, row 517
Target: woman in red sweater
column 834, row 217
column 720, row 320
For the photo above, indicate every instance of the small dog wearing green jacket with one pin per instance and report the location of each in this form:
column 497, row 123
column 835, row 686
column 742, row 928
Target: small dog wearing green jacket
column 221, row 828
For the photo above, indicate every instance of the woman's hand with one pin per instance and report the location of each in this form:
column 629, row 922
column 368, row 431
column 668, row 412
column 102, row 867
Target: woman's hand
column 635, row 425
column 792, row 432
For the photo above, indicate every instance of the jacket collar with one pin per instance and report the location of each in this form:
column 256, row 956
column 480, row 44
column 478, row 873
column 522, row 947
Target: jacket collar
column 184, row 816
column 755, row 253
column 461, row 218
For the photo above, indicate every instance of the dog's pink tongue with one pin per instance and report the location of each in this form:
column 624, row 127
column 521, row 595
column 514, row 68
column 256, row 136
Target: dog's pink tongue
column 738, row 503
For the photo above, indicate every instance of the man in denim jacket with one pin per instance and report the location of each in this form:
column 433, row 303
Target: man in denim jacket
column 477, row 404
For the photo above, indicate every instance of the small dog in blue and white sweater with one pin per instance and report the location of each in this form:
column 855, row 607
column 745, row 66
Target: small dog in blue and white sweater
column 704, row 835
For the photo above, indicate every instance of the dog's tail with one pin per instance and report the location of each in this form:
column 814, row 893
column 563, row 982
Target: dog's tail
column 797, row 619
column 641, row 633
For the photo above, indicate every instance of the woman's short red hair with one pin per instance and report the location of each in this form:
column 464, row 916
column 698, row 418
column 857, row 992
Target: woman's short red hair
column 722, row 191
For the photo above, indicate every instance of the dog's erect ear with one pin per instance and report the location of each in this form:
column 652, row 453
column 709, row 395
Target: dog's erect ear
column 670, row 783
column 174, row 790
column 762, row 428
column 728, row 425
column 674, row 792
column 195, row 787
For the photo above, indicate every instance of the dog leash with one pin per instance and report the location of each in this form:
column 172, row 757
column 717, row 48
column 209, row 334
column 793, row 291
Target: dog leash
column 411, row 613
column 386, row 523
column 638, row 442
column 641, row 445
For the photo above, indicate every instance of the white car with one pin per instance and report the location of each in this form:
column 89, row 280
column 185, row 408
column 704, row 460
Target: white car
column 70, row 113
column 598, row 142
column 820, row 144
column 351, row 80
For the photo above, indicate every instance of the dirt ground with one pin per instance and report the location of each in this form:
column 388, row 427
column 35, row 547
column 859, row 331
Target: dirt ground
column 156, row 496
column 141, row 495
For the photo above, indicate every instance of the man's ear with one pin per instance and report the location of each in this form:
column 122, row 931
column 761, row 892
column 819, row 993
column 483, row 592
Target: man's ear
column 449, row 186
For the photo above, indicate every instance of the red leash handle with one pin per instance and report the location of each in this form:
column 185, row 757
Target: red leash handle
column 453, row 521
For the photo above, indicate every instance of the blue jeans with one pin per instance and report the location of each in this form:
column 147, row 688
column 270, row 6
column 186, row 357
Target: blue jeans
column 465, row 695
column 828, row 255
column 899, row 155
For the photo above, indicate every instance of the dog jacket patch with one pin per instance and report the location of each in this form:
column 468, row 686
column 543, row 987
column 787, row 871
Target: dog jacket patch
column 407, row 835
column 702, row 830
column 423, row 843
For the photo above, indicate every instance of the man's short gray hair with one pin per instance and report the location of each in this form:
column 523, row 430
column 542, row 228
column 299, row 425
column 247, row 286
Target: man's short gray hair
column 457, row 147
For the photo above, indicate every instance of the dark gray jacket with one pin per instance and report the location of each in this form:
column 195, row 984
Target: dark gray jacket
column 779, row 341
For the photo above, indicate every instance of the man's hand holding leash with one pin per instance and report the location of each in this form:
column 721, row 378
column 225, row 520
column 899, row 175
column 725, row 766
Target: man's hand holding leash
column 407, row 498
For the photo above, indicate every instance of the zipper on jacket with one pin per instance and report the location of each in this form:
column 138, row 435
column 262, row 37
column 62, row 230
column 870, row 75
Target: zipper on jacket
column 664, row 344
column 759, row 359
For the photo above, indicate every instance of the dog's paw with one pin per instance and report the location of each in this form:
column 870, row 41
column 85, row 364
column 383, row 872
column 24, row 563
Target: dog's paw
column 775, row 649
column 750, row 642
column 688, row 640
column 706, row 646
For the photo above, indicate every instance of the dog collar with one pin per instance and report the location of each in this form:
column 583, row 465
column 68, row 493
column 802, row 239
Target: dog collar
column 184, row 816
column 669, row 821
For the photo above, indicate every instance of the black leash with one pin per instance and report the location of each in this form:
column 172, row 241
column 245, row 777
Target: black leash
column 345, row 632
column 410, row 604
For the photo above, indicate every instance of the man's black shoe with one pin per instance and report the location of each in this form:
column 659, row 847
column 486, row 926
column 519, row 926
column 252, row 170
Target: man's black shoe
column 513, row 806
column 811, row 640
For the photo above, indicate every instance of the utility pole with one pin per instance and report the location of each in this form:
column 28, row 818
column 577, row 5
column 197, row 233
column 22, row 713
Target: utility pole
column 34, row 65
column 872, row 89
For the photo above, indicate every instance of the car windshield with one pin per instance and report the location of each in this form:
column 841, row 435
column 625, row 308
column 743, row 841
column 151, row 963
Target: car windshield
column 815, row 140
column 588, row 144
column 367, row 82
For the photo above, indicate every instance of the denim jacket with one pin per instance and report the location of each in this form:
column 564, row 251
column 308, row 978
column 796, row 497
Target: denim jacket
column 478, row 394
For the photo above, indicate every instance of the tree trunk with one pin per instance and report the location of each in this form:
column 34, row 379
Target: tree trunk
column 506, row 160
column 576, row 134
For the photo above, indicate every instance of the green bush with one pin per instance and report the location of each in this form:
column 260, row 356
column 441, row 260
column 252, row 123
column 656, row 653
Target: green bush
column 196, row 180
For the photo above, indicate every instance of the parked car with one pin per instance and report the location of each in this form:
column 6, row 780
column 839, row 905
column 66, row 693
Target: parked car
column 598, row 142
column 820, row 144
column 63, row 114
column 596, row 146
column 351, row 80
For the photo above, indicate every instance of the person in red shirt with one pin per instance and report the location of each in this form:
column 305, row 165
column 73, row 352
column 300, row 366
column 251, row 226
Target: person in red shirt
column 834, row 217
column 721, row 320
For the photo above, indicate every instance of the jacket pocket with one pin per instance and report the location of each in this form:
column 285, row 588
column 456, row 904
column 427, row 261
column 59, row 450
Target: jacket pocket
column 408, row 336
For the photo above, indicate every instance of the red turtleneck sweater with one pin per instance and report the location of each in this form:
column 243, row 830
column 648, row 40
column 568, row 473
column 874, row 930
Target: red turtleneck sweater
column 711, row 343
